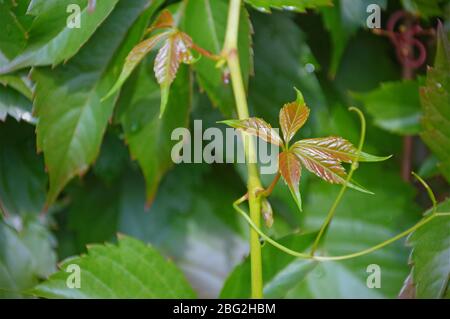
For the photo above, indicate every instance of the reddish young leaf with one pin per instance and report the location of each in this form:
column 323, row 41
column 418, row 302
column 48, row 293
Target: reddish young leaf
column 257, row 127
column 134, row 57
column 293, row 116
column 164, row 20
column 338, row 148
column 323, row 165
column 174, row 51
column 291, row 170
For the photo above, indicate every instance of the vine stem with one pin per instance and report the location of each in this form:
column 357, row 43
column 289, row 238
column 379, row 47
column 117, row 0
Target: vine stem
column 230, row 51
column 302, row 255
column 338, row 199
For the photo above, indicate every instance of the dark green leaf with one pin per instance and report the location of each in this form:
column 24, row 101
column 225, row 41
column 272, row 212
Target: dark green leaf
column 286, row 68
column 26, row 255
column 435, row 98
column 23, row 181
column 72, row 117
column 342, row 21
column 148, row 136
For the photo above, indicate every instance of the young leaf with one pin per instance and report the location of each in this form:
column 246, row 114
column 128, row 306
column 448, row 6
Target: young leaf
column 293, row 116
column 323, row 165
column 257, row 127
column 291, row 171
column 136, row 55
column 174, row 51
column 165, row 20
column 338, row 148
column 131, row 269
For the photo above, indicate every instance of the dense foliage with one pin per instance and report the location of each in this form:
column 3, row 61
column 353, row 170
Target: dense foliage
column 87, row 178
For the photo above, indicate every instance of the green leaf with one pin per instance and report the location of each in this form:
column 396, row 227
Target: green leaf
column 425, row 8
column 148, row 136
column 342, row 21
column 51, row 41
column 129, row 270
column 291, row 5
column 19, row 83
column 15, row 24
column 180, row 226
column 72, row 117
column 112, row 159
column 205, row 21
column 281, row 272
column 14, row 104
column 395, row 106
column 26, row 255
column 97, row 205
column 23, row 181
column 435, row 98
column 430, row 256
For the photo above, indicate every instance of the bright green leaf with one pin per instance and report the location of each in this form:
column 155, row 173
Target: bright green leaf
column 51, row 41
column 129, row 270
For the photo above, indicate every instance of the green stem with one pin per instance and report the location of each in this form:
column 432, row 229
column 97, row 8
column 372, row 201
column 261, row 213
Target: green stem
column 338, row 199
column 333, row 258
column 230, row 51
